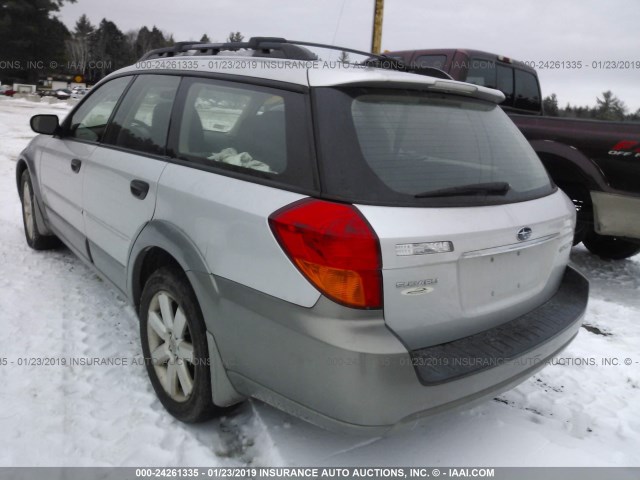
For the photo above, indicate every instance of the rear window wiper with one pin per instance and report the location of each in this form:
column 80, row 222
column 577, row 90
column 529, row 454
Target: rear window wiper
column 490, row 188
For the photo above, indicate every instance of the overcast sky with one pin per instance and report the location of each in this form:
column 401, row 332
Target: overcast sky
column 538, row 30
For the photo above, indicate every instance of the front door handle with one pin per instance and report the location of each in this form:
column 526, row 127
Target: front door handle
column 75, row 165
column 139, row 189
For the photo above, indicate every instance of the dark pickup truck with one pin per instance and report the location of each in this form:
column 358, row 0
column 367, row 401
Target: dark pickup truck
column 596, row 163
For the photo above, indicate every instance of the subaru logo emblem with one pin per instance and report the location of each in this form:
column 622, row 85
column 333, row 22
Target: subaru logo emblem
column 524, row 234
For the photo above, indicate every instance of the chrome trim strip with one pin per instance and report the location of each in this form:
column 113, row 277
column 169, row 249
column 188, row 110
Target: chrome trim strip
column 509, row 248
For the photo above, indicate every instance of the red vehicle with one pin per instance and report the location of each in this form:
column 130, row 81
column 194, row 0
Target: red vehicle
column 8, row 91
column 596, row 163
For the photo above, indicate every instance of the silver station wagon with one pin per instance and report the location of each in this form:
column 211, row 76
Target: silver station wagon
column 357, row 244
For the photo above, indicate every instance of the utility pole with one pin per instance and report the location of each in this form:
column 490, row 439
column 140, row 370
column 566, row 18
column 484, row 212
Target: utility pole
column 376, row 40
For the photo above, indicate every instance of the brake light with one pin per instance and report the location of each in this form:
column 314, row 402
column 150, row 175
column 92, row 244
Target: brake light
column 334, row 247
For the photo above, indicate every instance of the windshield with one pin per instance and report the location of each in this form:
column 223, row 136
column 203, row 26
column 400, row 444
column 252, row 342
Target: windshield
column 399, row 146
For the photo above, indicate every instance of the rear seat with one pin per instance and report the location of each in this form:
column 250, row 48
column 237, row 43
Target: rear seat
column 263, row 137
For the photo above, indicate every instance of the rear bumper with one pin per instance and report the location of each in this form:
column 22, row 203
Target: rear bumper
column 616, row 215
column 354, row 374
column 511, row 341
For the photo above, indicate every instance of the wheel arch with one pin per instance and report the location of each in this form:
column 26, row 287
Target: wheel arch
column 568, row 165
column 161, row 243
column 21, row 166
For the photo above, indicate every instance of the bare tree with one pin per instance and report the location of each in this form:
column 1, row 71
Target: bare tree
column 131, row 38
column 78, row 47
column 79, row 53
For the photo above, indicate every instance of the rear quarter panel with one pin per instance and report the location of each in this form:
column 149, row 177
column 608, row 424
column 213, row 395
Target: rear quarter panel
column 227, row 219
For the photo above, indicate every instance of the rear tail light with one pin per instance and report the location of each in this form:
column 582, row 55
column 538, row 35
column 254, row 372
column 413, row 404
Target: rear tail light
column 334, row 247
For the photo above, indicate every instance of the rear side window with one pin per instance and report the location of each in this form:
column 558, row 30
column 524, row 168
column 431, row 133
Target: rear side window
column 505, row 83
column 89, row 121
column 142, row 120
column 433, row 61
column 391, row 147
column 482, row 72
column 519, row 87
column 234, row 126
column 252, row 130
column 527, row 91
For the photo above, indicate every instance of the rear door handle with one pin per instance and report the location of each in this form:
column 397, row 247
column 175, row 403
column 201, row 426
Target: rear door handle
column 75, row 165
column 139, row 189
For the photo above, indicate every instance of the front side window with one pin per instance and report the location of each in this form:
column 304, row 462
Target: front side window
column 240, row 128
column 89, row 121
column 142, row 120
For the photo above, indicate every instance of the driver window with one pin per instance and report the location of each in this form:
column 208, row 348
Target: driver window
column 89, row 121
column 142, row 120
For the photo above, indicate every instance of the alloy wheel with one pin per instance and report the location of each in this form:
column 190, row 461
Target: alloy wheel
column 171, row 347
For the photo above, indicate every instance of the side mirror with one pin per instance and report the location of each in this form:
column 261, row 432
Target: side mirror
column 45, row 124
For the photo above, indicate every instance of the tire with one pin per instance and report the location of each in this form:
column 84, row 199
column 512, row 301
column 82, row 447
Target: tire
column 34, row 238
column 179, row 367
column 610, row 248
column 581, row 199
column 582, row 230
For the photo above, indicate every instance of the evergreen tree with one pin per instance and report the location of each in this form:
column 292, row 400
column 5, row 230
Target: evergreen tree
column 550, row 105
column 31, row 38
column 109, row 49
column 610, row 107
column 83, row 27
column 568, row 111
column 150, row 40
column 235, row 37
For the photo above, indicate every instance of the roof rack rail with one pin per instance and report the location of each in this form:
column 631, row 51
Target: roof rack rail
column 264, row 45
column 277, row 47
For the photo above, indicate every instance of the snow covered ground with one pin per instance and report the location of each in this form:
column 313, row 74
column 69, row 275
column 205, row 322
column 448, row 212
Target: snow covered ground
column 52, row 306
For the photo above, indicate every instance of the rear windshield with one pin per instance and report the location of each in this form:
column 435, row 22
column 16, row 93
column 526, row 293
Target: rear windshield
column 401, row 147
